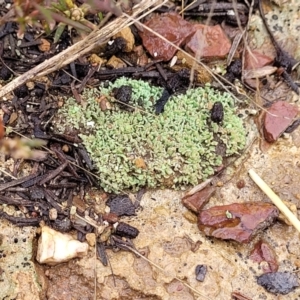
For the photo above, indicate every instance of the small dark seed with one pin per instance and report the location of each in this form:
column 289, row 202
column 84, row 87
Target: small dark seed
column 217, row 112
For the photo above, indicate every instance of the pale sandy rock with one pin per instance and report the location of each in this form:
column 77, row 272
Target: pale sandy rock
column 115, row 63
column 55, row 247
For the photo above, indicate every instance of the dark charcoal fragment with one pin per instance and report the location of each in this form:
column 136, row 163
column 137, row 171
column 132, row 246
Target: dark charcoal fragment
column 121, row 205
column 179, row 81
column 65, row 78
column 19, row 221
column 82, row 69
column 117, row 45
column 21, row 91
column 217, row 112
column 279, row 282
column 123, row 94
column 5, row 73
column 126, row 230
column 234, row 70
column 201, row 272
column 161, row 102
column 63, row 225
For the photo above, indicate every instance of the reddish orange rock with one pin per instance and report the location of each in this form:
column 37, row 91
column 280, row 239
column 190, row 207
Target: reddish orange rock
column 277, row 119
column 210, row 41
column 172, row 27
column 256, row 60
column 196, row 201
column 263, row 252
column 237, row 221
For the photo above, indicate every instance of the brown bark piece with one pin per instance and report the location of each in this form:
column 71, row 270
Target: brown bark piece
column 262, row 251
column 237, row 221
column 196, row 201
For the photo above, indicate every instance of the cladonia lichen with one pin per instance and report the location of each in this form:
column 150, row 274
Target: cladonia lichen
column 133, row 149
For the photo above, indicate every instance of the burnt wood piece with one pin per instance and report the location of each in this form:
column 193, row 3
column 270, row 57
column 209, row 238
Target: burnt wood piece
column 54, row 173
column 161, row 102
column 121, row 205
column 233, row 13
column 102, row 254
column 85, row 157
column 15, row 182
column 33, row 181
column 50, row 197
column 15, row 201
column 19, row 221
column 126, row 230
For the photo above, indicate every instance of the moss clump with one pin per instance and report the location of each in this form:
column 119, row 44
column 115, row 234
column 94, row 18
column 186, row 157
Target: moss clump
column 173, row 149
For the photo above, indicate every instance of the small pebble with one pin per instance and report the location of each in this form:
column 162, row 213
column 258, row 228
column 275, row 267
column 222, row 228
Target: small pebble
column 240, row 184
column 201, row 272
column 52, row 214
column 91, row 239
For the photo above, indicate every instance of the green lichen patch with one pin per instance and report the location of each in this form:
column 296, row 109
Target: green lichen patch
column 136, row 149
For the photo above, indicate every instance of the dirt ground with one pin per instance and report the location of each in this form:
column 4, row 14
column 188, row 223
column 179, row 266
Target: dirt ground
column 169, row 237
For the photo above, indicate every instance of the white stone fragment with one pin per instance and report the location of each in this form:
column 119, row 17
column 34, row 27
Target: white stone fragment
column 55, row 247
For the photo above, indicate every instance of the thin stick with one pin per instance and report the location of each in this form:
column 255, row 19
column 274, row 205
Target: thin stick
column 275, row 199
